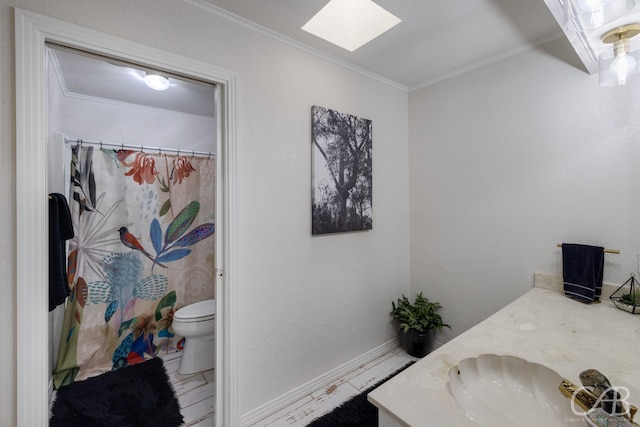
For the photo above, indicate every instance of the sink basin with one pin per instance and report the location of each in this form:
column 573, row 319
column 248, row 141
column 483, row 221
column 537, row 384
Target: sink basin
column 493, row 390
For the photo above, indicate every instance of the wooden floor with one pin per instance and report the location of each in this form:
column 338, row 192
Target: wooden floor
column 322, row 401
column 196, row 392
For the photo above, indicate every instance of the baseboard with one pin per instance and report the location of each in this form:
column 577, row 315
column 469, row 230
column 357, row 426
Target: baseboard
column 323, row 380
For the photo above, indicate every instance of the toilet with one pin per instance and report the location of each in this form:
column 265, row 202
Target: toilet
column 197, row 324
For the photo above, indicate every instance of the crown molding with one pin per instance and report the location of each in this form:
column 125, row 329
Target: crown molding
column 231, row 17
column 478, row 64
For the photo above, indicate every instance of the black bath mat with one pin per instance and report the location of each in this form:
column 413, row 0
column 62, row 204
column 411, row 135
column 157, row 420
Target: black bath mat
column 139, row 395
column 355, row 412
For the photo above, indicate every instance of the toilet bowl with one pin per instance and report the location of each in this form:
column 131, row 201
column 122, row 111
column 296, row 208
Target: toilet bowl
column 197, row 324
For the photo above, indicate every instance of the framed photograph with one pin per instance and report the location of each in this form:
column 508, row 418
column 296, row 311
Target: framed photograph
column 342, row 175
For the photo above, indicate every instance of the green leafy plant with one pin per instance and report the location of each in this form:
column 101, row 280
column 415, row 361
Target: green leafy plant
column 422, row 315
column 630, row 299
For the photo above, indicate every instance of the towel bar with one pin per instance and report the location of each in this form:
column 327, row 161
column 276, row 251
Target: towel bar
column 608, row 251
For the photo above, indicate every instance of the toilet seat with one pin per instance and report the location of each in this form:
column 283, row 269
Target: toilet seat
column 197, row 312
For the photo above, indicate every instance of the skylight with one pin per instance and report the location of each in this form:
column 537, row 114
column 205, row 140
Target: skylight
column 350, row 23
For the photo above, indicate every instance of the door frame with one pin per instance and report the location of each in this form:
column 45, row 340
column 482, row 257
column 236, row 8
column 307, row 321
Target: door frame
column 32, row 31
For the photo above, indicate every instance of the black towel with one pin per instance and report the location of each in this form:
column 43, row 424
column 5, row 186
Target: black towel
column 582, row 268
column 60, row 230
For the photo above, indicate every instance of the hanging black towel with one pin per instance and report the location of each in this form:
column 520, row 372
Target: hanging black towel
column 582, row 268
column 60, row 230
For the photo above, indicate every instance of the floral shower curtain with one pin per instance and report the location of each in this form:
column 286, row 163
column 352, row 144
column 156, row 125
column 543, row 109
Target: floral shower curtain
column 143, row 248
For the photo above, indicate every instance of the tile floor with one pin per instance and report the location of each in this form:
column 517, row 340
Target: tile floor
column 196, row 392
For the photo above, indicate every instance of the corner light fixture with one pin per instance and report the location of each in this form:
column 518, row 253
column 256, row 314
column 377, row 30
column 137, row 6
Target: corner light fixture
column 350, row 24
column 620, row 64
column 584, row 15
column 156, row 81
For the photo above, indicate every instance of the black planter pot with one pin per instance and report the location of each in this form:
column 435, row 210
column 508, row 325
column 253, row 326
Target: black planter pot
column 418, row 344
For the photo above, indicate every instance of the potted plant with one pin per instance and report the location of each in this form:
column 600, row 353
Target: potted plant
column 630, row 302
column 418, row 323
column 627, row 299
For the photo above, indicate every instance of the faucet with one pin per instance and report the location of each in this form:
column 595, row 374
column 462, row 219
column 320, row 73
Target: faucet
column 582, row 397
column 597, row 391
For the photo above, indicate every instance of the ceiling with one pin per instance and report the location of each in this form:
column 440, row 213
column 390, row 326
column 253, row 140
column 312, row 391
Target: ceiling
column 435, row 40
column 92, row 77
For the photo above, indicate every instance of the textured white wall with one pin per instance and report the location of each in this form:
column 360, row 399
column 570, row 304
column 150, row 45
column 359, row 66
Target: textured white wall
column 94, row 120
column 307, row 305
column 509, row 160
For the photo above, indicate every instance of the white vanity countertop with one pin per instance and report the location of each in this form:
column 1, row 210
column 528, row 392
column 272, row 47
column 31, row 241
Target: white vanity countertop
column 542, row 326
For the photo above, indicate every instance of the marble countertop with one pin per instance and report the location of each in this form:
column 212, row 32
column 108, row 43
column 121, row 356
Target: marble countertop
column 542, row 326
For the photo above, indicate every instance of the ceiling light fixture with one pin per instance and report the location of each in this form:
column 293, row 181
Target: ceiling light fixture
column 156, row 81
column 350, row 24
column 619, row 65
column 584, row 15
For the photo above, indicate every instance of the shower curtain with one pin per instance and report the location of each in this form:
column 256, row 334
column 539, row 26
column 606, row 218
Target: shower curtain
column 143, row 248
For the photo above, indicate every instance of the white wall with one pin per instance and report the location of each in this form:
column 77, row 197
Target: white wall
column 98, row 120
column 507, row 161
column 307, row 305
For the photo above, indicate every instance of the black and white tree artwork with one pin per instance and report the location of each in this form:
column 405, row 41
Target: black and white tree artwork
column 342, row 177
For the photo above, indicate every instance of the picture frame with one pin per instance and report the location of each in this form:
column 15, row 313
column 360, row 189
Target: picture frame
column 342, row 176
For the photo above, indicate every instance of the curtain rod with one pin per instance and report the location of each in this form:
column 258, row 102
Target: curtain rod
column 160, row 150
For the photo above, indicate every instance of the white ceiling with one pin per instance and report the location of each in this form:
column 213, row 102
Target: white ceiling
column 92, row 77
column 435, row 40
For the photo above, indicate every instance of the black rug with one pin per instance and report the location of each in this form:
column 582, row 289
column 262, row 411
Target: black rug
column 139, row 395
column 355, row 412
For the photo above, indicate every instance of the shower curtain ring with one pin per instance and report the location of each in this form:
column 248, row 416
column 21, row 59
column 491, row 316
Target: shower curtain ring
column 141, row 148
column 209, row 155
column 101, row 145
column 193, row 153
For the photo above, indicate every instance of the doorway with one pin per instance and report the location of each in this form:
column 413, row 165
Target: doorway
column 33, row 31
column 170, row 128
